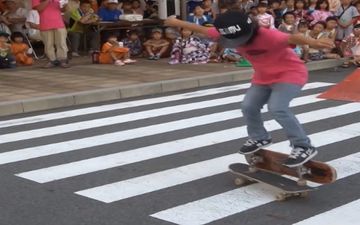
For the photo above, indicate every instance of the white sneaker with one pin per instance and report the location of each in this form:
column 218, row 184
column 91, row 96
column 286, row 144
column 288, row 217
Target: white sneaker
column 129, row 61
column 75, row 54
column 119, row 63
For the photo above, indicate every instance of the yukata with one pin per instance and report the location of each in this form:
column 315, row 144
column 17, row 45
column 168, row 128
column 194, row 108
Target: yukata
column 352, row 46
column 345, row 15
column 190, row 51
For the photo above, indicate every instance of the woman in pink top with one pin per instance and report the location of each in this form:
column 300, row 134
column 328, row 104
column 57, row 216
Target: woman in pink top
column 52, row 30
column 322, row 12
column 278, row 78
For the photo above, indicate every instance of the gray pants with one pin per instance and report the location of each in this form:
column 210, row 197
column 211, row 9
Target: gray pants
column 91, row 38
column 278, row 97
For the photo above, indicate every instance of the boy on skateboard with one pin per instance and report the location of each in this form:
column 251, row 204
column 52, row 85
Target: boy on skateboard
column 279, row 77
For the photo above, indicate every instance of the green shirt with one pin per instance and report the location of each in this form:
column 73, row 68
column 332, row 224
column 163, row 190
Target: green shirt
column 75, row 25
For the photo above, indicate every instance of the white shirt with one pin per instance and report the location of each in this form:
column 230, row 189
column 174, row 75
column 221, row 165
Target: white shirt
column 266, row 20
column 33, row 17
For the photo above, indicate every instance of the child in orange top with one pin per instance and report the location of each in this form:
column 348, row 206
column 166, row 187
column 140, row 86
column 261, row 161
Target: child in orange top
column 112, row 52
column 20, row 50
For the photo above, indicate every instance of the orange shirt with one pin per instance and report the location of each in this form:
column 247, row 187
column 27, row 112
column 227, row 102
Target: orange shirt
column 107, row 48
column 20, row 52
column 17, row 48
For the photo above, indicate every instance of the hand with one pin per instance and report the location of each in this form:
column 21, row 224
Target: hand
column 322, row 43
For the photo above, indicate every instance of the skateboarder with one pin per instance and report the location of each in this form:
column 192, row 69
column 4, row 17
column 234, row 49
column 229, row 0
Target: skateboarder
column 279, row 76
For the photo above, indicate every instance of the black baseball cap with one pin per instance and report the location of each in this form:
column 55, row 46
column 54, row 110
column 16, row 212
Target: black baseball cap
column 236, row 28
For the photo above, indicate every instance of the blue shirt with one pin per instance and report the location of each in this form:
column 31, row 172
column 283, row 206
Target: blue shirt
column 107, row 15
column 199, row 21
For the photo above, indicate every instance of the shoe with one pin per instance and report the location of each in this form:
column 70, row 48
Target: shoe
column 75, row 54
column 49, row 65
column 129, row 61
column 64, row 64
column 252, row 146
column 119, row 63
column 156, row 57
column 152, row 57
column 174, row 62
column 300, row 155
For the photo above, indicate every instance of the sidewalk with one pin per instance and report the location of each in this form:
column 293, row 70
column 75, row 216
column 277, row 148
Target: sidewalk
column 28, row 89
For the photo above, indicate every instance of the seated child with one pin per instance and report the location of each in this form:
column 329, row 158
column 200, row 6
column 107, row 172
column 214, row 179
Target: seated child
column 82, row 21
column 157, row 45
column 288, row 26
column 315, row 54
column 136, row 6
column 199, row 18
column 276, row 12
column 127, row 8
column 171, row 34
column 264, row 19
column 133, row 42
column 350, row 47
column 207, row 6
column 330, row 32
column 189, row 49
column 6, row 58
column 302, row 28
column 109, row 11
column 151, row 11
column 113, row 53
column 21, row 50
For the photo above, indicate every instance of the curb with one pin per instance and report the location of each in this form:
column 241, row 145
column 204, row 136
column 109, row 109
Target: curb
column 78, row 98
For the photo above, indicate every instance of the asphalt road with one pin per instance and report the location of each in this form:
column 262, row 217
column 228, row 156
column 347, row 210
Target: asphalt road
column 162, row 160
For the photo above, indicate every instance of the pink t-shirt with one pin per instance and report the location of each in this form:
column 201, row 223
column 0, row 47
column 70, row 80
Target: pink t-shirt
column 273, row 59
column 50, row 17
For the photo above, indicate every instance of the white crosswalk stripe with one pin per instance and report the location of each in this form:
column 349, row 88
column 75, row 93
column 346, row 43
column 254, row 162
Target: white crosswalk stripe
column 347, row 214
column 214, row 207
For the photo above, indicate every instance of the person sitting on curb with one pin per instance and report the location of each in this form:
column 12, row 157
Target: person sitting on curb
column 157, row 45
column 112, row 52
column 21, row 50
column 6, row 58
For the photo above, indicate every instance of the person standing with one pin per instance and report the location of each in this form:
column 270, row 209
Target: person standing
column 273, row 83
column 53, row 31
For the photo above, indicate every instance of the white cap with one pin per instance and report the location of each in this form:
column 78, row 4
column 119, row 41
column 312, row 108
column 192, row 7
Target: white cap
column 113, row 1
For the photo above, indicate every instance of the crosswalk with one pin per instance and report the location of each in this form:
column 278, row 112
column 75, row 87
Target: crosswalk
column 176, row 141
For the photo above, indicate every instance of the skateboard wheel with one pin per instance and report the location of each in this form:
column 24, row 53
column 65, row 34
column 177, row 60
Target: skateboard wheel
column 280, row 197
column 301, row 182
column 239, row 181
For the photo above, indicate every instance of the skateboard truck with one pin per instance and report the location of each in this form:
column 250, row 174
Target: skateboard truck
column 253, row 159
column 301, row 171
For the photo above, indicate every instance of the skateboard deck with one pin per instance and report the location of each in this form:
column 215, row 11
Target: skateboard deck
column 312, row 170
column 283, row 186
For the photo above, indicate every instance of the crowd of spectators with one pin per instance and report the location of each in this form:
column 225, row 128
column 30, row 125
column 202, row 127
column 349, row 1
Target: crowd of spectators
column 63, row 25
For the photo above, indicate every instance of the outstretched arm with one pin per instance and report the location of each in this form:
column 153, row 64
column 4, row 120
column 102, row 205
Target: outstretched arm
column 173, row 22
column 299, row 39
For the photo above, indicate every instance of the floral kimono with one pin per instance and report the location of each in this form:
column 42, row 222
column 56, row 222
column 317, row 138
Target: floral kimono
column 190, row 51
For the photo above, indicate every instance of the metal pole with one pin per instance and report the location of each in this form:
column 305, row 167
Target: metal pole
column 183, row 9
column 162, row 9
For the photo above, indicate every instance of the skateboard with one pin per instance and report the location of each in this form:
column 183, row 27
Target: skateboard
column 284, row 187
column 271, row 161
